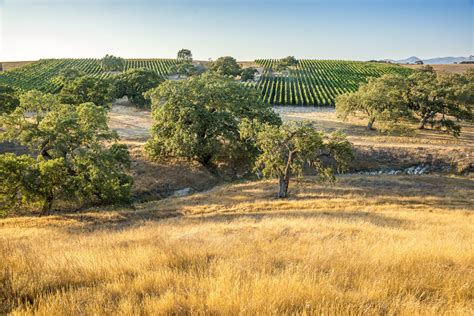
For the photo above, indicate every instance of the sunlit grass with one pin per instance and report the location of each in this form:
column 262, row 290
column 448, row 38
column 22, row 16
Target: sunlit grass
column 376, row 245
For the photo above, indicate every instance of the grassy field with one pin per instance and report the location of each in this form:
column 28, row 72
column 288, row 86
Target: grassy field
column 372, row 245
column 376, row 245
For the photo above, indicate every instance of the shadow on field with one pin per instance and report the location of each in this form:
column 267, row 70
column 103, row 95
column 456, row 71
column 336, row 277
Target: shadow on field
column 362, row 216
column 353, row 198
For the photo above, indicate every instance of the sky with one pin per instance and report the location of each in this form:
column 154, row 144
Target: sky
column 244, row 29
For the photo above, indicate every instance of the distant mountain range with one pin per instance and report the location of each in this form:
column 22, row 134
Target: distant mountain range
column 437, row 60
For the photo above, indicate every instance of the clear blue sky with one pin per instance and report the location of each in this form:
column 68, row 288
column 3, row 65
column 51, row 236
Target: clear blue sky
column 338, row 29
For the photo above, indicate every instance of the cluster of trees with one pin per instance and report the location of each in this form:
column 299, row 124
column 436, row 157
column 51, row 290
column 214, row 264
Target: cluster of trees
column 441, row 101
column 228, row 66
column 72, row 155
column 184, row 65
column 285, row 63
column 213, row 119
column 80, row 88
column 111, row 63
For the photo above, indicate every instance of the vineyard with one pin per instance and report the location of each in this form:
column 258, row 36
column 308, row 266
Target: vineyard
column 42, row 75
column 311, row 82
column 317, row 82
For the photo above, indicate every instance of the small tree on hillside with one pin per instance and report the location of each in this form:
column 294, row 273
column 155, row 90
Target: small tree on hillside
column 226, row 66
column 111, row 63
column 379, row 100
column 69, row 159
column 87, row 89
column 185, row 56
column 8, row 99
column 199, row 118
column 134, row 83
column 285, row 150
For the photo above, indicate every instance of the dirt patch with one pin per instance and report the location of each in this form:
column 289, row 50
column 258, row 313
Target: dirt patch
column 130, row 122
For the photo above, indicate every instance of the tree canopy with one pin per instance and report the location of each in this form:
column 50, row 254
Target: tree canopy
column 285, row 150
column 441, row 100
column 8, row 99
column 380, row 99
column 226, row 66
column 134, row 83
column 68, row 159
column 183, row 70
column 248, row 74
column 285, row 63
column 199, row 118
column 87, row 89
column 67, row 75
column 111, row 63
column 185, row 56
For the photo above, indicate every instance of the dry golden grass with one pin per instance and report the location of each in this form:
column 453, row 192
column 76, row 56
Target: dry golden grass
column 355, row 128
column 10, row 65
column 445, row 68
column 372, row 245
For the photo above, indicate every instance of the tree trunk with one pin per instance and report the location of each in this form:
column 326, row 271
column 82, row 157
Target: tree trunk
column 370, row 124
column 47, row 205
column 283, row 192
column 423, row 123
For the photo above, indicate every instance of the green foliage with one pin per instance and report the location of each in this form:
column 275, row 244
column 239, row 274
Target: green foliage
column 185, row 56
column 286, row 63
column 199, row 117
column 248, row 74
column 67, row 75
column 379, row 100
column 226, row 66
column 134, row 83
column 311, row 82
column 317, row 82
column 72, row 161
column 111, row 63
column 285, row 150
column 183, row 69
column 441, row 100
column 8, row 99
column 43, row 75
column 87, row 89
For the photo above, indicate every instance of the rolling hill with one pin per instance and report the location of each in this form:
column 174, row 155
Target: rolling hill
column 311, row 82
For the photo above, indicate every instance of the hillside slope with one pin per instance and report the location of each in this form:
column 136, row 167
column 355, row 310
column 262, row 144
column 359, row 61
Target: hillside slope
column 312, row 82
column 372, row 245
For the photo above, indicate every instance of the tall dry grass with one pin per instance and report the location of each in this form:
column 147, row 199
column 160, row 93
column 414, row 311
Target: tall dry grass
column 368, row 245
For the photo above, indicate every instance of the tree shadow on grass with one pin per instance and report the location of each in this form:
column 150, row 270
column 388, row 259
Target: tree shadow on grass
column 360, row 216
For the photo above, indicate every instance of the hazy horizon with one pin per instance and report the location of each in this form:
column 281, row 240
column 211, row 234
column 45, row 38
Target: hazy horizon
column 342, row 29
